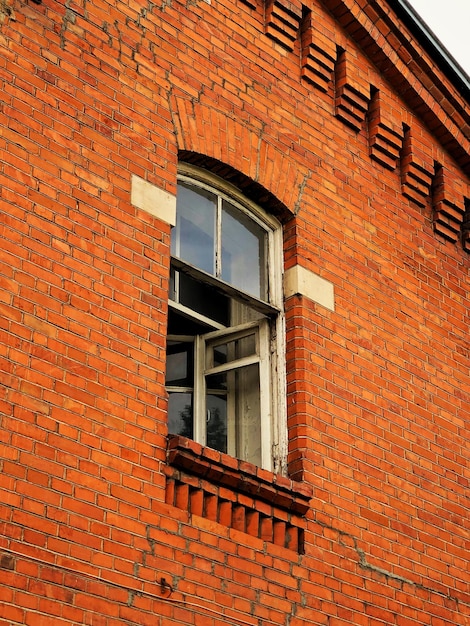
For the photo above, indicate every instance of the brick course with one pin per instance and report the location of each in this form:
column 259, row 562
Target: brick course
column 333, row 117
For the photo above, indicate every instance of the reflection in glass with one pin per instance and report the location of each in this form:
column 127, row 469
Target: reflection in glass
column 216, row 433
column 203, row 298
column 179, row 363
column 248, row 431
column 193, row 238
column 243, row 252
column 180, row 414
column 233, row 408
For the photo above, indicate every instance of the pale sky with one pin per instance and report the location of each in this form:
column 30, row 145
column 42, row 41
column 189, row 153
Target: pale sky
column 449, row 20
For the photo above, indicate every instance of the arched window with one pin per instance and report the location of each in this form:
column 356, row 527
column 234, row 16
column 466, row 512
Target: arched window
column 225, row 326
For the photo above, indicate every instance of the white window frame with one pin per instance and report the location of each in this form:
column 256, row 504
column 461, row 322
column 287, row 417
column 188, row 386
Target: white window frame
column 270, row 353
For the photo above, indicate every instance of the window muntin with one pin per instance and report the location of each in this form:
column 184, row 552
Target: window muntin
column 225, row 330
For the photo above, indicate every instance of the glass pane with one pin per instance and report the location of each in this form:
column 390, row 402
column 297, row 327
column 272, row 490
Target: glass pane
column 179, row 324
column 243, row 252
column 193, row 238
column 179, row 363
column 217, row 381
column 242, row 412
column 180, row 414
column 203, row 299
column 219, row 355
column 216, row 426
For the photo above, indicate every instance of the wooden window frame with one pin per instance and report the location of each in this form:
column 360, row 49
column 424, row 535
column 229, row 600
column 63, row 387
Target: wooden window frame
column 270, row 331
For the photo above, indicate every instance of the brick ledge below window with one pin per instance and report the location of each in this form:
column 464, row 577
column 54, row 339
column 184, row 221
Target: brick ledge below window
column 240, row 476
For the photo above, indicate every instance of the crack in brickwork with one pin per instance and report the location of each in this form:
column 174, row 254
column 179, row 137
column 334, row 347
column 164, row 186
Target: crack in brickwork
column 379, row 570
column 69, row 17
column 348, row 540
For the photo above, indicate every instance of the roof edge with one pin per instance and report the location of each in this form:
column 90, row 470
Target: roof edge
column 434, row 47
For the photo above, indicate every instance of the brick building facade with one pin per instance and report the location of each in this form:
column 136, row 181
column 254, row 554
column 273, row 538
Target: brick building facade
column 234, row 312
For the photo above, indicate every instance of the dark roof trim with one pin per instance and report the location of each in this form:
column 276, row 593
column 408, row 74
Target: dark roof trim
column 432, row 45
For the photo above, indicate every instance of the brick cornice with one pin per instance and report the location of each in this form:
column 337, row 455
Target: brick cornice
column 410, row 70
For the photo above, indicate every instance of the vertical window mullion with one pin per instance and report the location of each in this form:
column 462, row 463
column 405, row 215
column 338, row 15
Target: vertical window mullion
column 218, row 238
column 177, row 286
column 265, row 374
column 199, row 391
column 176, row 238
column 232, row 444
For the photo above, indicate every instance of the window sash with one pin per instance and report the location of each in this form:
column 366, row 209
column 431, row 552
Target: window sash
column 263, row 229
column 203, row 369
column 262, row 359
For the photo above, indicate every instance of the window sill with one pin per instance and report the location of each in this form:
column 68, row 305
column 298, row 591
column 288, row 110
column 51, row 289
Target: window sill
column 239, row 476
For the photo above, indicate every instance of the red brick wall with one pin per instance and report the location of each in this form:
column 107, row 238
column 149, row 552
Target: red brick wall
column 368, row 163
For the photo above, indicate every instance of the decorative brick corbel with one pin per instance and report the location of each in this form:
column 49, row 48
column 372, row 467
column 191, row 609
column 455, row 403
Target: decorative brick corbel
column 250, row 3
column 283, row 18
column 352, row 92
column 385, row 131
column 417, row 168
column 236, row 494
column 466, row 227
column 318, row 54
column 448, row 204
